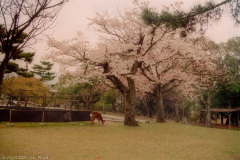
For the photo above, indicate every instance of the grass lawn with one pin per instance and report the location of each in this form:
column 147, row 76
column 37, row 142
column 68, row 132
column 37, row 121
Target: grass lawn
column 150, row 141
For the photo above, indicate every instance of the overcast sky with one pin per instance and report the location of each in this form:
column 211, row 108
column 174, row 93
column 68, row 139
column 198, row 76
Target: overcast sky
column 74, row 17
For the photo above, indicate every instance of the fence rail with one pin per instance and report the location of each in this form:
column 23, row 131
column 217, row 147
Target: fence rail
column 37, row 98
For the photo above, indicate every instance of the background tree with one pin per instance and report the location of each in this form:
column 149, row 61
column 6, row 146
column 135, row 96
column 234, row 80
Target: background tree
column 23, row 86
column 20, row 23
column 149, row 102
column 170, row 67
column 62, row 84
column 198, row 17
column 232, row 58
column 172, row 102
column 232, row 62
column 43, row 69
column 228, row 95
column 209, row 83
column 111, row 98
column 88, row 94
column 25, row 83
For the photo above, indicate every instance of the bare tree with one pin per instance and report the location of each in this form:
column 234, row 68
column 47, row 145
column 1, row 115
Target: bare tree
column 21, row 21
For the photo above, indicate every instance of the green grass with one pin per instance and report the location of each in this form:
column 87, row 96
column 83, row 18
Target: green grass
column 81, row 140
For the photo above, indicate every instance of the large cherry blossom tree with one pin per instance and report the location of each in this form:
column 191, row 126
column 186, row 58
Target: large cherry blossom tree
column 178, row 65
column 125, row 41
column 136, row 58
column 211, row 76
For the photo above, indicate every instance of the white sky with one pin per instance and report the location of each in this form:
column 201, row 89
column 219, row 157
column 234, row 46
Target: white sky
column 74, row 17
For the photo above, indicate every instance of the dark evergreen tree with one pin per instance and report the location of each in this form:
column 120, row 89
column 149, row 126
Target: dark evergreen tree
column 43, row 70
column 14, row 67
column 199, row 15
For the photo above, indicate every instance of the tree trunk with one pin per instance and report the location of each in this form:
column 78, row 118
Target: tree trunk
column 129, row 97
column 237, row 122
column 160, row 109
column 3, row 67
column 87, row 105
column 221, row 118
column 103, row 103
column 130, row 102
column 216, row 117
column 176, row 114
column 145, row 103
column 114, row 109
column 148, row 112
column 122, row 104
column 208, row 113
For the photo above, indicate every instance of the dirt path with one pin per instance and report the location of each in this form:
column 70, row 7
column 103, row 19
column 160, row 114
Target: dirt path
column 119, row 118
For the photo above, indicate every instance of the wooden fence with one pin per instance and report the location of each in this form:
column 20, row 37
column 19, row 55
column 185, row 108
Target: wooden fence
column 25, row 103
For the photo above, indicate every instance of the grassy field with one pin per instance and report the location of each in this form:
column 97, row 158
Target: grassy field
column 81, row 140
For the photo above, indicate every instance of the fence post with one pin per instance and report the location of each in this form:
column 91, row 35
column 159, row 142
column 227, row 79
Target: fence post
column 70, row 118
column 43, row 112
column 10, row 110
column 10, row 118
column 237, row 123
column 229, row 122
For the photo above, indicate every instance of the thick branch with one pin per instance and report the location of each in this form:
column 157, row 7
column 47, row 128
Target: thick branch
column 193, row 14
column 169, row 83
column 117, row 83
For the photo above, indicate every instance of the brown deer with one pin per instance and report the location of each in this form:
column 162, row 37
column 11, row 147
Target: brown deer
column 98, row 116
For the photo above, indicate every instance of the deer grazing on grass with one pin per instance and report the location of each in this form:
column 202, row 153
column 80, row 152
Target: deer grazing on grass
column 98, row 116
